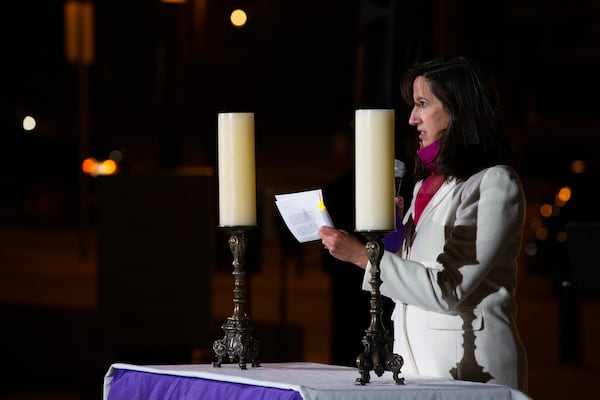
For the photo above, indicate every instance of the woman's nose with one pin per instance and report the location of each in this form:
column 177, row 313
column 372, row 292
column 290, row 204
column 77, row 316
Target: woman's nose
column 412, row 119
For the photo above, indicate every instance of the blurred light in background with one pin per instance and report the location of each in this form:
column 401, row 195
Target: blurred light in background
column 116, row 156
column 578, row 167
column 535, row 223
column 79, row 32
column 541, row 233
column 93, row 167
column 29, row 123
column 548, row 225
column 238, row 18
column 564, row 194
column 531, row 249
column 546, row 210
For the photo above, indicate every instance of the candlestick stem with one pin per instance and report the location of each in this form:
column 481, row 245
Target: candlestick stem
column 237, row 345
column 377, row 355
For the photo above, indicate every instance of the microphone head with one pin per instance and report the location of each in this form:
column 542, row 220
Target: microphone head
column 399, row 169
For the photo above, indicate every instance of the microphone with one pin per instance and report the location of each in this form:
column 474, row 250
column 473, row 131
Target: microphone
column 399, row 170
column 393, row 241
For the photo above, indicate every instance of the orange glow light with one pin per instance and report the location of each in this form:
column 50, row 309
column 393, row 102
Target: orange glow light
column 578, row 166
column 541, row 233
column 108, row 167
column 89, row 165
column 564, row 194
column 546, row 210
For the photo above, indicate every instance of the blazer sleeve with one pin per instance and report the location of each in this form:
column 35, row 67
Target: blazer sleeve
column 482, row 242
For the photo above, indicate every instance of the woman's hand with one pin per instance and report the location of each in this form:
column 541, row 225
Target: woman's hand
column 343, row 246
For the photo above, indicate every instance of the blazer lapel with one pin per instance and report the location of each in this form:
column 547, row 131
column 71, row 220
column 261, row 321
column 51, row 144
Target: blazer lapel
column 437, row 198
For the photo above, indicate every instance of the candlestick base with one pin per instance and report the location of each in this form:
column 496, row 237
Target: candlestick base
column 237, row 345
column 378, row 355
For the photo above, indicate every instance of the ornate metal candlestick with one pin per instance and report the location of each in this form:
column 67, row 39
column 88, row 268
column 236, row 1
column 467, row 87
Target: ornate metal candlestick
column 378, row 354
column 237, row 345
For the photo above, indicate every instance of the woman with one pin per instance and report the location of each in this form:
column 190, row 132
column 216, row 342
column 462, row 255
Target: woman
column 453, row 282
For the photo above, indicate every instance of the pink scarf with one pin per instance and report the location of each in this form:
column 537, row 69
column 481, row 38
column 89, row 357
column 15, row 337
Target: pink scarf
column 432, row 183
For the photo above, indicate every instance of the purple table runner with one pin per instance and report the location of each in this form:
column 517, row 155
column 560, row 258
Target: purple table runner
column 133, row 385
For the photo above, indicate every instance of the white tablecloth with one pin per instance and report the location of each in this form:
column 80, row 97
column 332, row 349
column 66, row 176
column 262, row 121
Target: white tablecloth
column 316, row 381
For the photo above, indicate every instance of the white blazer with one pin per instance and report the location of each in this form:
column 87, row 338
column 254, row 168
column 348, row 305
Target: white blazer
column 454, row 288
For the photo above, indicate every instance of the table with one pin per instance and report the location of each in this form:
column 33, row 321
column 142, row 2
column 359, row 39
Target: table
column 284, row 381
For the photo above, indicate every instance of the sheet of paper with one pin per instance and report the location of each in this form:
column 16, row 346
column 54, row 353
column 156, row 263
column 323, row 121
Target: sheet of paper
column 303, row 213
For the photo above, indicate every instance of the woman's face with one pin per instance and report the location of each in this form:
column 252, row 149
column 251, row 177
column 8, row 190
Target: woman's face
column 428, row 114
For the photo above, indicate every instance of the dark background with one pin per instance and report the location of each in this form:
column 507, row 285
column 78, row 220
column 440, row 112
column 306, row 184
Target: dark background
column 162, row 72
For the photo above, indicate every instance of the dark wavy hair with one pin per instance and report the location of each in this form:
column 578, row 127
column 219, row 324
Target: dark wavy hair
column 475, row 138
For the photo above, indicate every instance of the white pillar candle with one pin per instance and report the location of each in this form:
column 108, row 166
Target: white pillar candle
column 374, row 163
column 237, row 176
